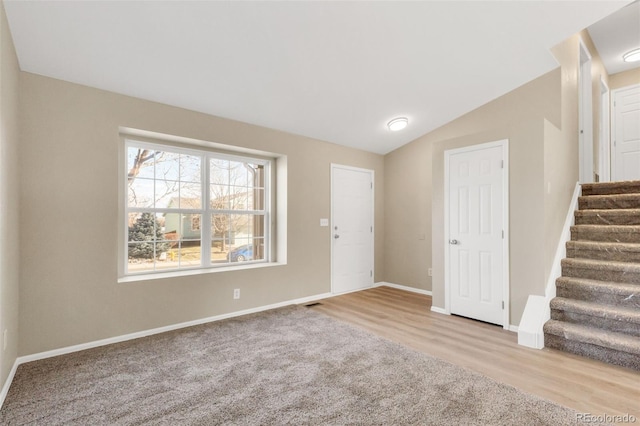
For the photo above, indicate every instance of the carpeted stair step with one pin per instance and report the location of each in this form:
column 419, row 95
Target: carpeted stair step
column 609, row 293
column 603, row 345
column 596, row 315
column 597, row 250
column 616, row 201
column 606, row 188
column 608, row 217
column 601, row 270
column 611, row 233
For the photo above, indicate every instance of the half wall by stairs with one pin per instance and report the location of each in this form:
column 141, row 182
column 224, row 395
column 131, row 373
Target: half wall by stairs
column 596, row 311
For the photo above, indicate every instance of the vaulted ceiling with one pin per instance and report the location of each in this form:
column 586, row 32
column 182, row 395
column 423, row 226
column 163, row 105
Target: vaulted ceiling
column 335, row 71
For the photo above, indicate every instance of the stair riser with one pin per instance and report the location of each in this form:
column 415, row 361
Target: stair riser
column 610, row 356
column 586, row 203
column 611, row 255
column 623, row 188
column 631, row 329
column 605, row 235
column 620, row 300
column 604, row 219
column 602, row 275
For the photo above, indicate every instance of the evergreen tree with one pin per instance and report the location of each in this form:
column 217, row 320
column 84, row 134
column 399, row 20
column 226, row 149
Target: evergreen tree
column 147, row 231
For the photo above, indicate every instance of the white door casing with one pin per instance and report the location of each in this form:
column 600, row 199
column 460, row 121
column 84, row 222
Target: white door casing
column 625, row 129
column 476, row 232
column 585, row 116
column 604, row 141
column 351, row 228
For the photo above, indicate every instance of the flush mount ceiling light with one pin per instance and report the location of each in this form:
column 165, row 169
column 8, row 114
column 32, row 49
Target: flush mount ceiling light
column 632, row 56
column 398, row 124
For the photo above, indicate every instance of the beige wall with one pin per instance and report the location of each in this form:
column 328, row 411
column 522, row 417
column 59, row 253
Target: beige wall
column 9, row 241
column 69, row 193
column 518, row 116
column 540, row 119
column 626, row 78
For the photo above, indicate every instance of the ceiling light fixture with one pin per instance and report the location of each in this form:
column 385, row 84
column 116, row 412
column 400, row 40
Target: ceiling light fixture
column 632, row 56
column 398, row 124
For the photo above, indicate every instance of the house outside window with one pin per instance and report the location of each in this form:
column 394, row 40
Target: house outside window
column 193, row 209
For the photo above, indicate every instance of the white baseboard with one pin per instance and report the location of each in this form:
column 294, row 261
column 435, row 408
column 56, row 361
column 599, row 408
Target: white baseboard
column 144, row 333
column 439, row 310
column 7, row 383
column 403, row 287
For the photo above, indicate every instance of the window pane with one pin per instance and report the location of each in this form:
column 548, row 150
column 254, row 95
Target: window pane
column 190, row 254
column 238, row 198
column 140, row 193
column 241, row 251
column 219, row 197
column 168, row 166
column 219, row 171
column 255, row 226
column 220, row 226
column 145, row 227
column 239, row 226
column 167, row 194
column 138, row 257
column 258, row 248
column 139, row 163
column 190, row 195
column 190, row 168
column 238, row 174
column 219, row 250
column 256, row 199
column 256, row 175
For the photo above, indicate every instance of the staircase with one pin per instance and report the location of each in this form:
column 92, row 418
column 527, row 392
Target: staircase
column 597, row 309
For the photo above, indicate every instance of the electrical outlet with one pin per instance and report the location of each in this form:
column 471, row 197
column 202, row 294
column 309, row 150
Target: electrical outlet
column 236, row 293
column 430, row 272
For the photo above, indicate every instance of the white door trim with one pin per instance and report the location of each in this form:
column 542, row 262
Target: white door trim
column 373, row 233
column 585, row 114
column 505, row 214
column 604, row 169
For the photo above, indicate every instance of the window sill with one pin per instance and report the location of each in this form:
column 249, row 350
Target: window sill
column 189, row 272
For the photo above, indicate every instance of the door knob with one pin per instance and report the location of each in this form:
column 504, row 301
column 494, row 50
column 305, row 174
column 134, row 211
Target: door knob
column 454, row 242
column 336, row 236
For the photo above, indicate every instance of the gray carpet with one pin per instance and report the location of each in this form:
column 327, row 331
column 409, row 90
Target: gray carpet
column 286, row 366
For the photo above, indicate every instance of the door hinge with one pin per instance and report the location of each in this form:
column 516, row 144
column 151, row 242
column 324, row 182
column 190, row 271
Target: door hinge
column 372, row 229
column 502, row 164
column 371, row 273
column 503, row 234
column 371, row 185
column 503, row 304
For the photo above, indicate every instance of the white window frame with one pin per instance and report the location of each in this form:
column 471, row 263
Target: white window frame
column 205, row 211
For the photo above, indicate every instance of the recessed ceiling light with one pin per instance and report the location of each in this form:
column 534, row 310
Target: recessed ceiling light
column 632, row 56
column 398, row 124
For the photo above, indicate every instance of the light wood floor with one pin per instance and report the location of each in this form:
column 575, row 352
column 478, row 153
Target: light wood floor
column 582, row 384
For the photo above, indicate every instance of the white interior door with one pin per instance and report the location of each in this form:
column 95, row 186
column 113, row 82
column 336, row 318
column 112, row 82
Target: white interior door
column 626, row 133
column 351, row 228
column 477, row 217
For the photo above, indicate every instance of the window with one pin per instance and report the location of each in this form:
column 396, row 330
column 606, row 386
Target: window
column 191, row 209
